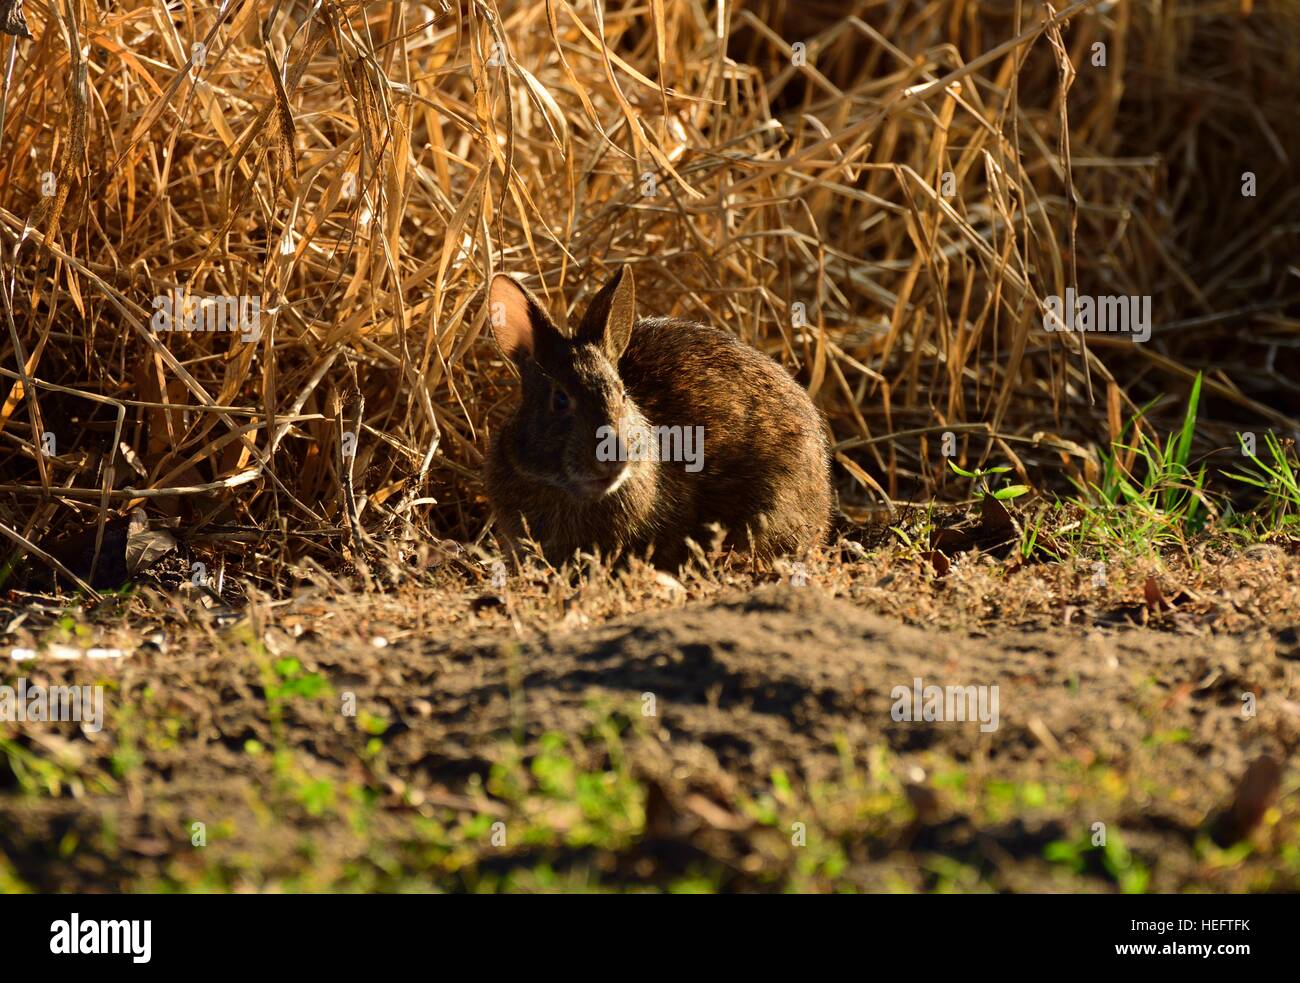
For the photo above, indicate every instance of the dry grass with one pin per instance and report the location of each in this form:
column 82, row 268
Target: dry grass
column 362, row 168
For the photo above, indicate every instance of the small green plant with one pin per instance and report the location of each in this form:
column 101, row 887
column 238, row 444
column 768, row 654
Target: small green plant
column 555, row 800
column 1129, row 874
column 1278, row 480
column 293, row 682
column 983, row 489
column 1035, row 529
column 52, row 775
column 1155, row 498
column 317, row 796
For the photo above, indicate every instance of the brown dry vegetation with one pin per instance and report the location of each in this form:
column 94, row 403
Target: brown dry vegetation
column 363, row 170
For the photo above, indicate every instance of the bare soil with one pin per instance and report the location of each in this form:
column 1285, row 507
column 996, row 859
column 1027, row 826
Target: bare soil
column 745, row 701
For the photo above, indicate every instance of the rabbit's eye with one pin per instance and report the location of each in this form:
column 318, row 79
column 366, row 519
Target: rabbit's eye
column 559, row 400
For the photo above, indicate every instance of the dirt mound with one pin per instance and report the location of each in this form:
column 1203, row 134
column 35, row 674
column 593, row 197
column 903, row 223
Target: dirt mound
column 1141, row 730
column 773, row 678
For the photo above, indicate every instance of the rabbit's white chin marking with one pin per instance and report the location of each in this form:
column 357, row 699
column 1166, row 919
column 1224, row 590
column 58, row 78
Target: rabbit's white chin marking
column 618, row 482
column 594, row 489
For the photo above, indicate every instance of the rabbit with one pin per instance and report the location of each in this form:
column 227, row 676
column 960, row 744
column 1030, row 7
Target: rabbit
column 580, row 464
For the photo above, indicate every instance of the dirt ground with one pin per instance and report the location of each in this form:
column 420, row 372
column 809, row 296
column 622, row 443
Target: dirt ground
column 651, row 733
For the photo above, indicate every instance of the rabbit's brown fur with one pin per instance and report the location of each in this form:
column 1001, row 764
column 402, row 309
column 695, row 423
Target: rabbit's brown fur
column 765, row 475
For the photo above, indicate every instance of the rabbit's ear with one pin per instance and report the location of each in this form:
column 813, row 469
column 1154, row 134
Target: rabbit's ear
column 519, row 324
column 609, row 318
